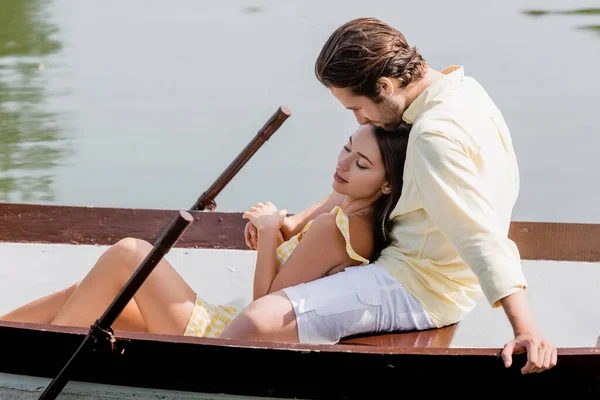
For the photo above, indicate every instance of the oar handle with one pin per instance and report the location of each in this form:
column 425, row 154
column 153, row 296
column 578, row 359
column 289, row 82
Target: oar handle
column 207, row 199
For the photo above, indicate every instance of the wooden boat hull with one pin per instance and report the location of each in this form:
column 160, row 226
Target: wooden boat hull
column 253, row 368
column 383, row 366
column 27, row 223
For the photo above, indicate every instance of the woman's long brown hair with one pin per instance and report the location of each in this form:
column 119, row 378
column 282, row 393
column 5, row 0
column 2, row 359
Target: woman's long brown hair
column 393, row 145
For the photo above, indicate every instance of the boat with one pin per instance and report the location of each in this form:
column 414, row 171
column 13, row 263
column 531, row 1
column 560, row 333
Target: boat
column 47, row 247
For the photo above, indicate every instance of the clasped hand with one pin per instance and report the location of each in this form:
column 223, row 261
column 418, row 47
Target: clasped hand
column 262, row 216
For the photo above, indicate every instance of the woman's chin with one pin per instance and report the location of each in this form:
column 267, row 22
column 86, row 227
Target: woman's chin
column 338, row 187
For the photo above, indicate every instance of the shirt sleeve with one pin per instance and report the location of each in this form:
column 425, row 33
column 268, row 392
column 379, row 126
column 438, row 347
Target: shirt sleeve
column 455, row 199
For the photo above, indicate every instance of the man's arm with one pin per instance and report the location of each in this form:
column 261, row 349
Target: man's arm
column 456, row 200
column 542, row 354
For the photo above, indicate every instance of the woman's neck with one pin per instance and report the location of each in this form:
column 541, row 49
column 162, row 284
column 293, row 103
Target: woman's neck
column 352, row 206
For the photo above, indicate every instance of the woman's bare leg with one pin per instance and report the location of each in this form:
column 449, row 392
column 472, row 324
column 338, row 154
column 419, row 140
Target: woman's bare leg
column 42, row 310
column 270, row 318
column 164, row 302
column 45, row 309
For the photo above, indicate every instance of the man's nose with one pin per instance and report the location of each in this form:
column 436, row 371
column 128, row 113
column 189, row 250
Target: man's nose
column 360, row 119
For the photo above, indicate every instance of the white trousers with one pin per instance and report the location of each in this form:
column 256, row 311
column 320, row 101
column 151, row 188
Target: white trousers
column 365, row 299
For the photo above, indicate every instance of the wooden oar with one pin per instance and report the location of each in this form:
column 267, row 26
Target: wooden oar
column 207, row 199
column 101, row 330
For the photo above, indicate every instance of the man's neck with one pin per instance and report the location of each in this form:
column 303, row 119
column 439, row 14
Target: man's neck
column 429, row 77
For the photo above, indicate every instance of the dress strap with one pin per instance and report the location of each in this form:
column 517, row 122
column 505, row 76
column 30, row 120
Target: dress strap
column 285, row 250
column 343, row 224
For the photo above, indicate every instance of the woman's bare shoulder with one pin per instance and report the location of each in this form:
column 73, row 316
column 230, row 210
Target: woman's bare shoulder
column 330, row 236
column 361, row 235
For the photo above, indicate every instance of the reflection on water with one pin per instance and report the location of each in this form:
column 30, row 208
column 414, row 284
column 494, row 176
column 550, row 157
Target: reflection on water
column 580, row 11
column 593, row 28
column 29, row 135
column 253, row 9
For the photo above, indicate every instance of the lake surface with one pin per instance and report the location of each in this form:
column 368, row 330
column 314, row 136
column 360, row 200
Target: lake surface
column 145, row 103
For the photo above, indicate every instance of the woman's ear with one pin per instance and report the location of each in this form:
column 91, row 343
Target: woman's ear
column 387, row 188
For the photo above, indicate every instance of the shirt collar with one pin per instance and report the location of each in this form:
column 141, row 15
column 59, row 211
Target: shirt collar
column 454, row 73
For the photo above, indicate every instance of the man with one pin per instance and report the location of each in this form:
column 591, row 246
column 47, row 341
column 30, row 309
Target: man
column 461, row 182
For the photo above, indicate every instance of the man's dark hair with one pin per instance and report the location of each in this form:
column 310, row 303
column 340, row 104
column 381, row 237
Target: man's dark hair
column 363, row 50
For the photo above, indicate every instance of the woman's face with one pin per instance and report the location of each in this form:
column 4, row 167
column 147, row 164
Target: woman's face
column 360, row 172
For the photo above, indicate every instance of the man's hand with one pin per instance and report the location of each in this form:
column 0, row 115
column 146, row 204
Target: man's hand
column 541, row 354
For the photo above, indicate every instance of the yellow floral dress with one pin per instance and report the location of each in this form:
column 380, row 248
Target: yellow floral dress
column 209, row 320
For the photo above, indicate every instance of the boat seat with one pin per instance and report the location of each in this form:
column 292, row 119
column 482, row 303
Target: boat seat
column 438, row 337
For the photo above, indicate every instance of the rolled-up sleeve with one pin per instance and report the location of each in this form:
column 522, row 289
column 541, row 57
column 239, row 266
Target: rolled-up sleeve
column 457, row 201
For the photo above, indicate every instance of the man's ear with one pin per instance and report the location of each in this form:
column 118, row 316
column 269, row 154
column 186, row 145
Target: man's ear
column 386, row 86
column 387, row 188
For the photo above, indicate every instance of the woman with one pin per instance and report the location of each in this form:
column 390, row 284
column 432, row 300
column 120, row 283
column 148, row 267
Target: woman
column 368, row 173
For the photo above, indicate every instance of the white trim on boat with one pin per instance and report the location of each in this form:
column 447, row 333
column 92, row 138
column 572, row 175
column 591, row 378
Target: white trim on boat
column 562, row 294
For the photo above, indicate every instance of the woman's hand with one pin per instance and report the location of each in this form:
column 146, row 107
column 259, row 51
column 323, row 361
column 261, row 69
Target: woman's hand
column 251, row 236
column 263, row 216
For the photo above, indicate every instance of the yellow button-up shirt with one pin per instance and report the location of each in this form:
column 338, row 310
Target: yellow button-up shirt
column 461, row 181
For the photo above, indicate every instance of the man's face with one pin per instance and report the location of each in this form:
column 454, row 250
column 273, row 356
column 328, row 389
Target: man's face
column 386, row 114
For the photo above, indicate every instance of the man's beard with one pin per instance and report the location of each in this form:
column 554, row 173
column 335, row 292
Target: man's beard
column 391, row 114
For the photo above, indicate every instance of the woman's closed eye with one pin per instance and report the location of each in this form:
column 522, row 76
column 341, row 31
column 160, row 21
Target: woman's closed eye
column 347, row 149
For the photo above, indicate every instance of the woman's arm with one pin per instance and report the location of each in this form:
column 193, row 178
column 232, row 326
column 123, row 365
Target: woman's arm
column 266, row 262
column 322, row 249
column 294, row 224
column 267, row 220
